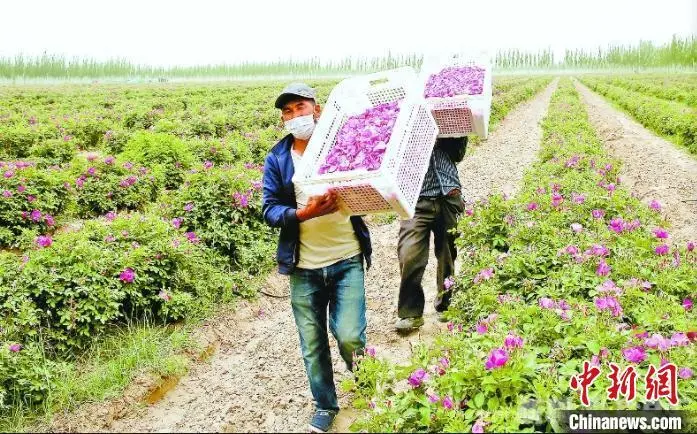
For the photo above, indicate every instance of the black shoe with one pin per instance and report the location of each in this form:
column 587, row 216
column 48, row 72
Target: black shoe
column 322, row 420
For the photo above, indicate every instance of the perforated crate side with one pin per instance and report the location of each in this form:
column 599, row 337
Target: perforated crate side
column 386, row 95
column 415, row 155
column 452, row 116
column 362, row 199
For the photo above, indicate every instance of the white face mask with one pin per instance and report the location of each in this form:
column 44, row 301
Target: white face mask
column 301, row 127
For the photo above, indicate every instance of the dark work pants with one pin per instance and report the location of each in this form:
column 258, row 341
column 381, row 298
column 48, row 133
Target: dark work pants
column 438, row 215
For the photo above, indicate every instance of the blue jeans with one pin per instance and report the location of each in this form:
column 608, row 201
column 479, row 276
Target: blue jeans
column 339, row 287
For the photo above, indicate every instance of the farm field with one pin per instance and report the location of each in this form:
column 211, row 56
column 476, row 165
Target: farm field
column 677, row 88
column 161, row 271
column 667, row 105
column 130, row 218
column 575, row 248
column 124, row 209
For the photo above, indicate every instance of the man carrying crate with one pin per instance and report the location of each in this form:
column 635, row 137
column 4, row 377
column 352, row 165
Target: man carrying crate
column 437, row 210
column 321, row 250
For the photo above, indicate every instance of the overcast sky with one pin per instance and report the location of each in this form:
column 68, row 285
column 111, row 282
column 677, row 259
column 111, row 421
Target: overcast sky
column 205, row 31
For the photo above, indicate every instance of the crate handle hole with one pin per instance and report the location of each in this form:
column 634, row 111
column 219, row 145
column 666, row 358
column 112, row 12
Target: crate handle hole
column 378, row 81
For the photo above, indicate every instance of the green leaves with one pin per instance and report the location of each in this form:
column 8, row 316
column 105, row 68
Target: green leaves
column 161, row 150
column 593, row 346
column 29, row 189
column 479, row 400
column 111, row 187
column 226, row 215
column 76, row 281
column 26, row 376
column 492, row 404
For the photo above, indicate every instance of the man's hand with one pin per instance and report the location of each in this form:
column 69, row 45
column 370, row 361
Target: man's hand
column 318, row 206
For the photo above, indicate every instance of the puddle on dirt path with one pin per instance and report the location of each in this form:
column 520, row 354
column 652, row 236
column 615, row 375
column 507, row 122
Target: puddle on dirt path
column 209, row 351
column 170, row 382
column 156, row 395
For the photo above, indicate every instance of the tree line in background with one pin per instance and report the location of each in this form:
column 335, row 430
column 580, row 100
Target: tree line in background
column 679, row 52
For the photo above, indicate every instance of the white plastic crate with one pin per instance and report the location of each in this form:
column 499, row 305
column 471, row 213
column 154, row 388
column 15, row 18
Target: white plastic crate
column 460, row 115
column 396, row 185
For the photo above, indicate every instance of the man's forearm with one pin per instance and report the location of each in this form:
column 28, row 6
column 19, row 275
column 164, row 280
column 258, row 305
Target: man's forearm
column 278, row 216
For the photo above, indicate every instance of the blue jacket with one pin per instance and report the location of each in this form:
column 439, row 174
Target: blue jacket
column 278, row 206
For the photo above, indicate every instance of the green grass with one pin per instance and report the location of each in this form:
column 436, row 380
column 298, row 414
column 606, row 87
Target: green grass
column 108, row 368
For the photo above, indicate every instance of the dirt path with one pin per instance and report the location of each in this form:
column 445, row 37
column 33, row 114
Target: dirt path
column 653, row 168
column 256, row 380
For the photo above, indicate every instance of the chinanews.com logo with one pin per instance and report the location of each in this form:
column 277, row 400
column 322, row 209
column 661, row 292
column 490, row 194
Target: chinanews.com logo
column 660, row 385
column 589, row 421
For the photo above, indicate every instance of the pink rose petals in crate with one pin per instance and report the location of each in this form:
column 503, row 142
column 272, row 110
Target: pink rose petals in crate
column 458, row 114
column 392, row 184
column 362, row 140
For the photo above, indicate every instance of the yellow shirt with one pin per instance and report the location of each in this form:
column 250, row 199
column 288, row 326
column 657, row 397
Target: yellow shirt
column 324, row 240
